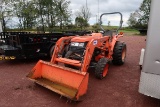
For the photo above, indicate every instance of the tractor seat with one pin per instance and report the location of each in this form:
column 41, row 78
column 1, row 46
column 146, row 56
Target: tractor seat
column 108, row 33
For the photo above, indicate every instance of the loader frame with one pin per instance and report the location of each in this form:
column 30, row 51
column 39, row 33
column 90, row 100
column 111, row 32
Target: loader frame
column 108, row 46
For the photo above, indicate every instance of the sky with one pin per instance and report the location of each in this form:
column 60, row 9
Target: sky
column 124, row 6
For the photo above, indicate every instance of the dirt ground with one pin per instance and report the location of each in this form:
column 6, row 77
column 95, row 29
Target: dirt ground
column 118, row 89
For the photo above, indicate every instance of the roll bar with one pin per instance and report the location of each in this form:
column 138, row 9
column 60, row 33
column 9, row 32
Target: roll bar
column 120, row 24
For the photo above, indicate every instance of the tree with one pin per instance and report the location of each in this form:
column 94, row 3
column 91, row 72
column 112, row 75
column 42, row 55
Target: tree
column 132, row 20
column 96, row 27
column 26, row 13
column 30, row 14
column 81, row 22
column 5, row 12
column 84, row 13
column 50, row 13
column 63, row 14
column 42, row 13
column 140, row 18
column 144, row 11
column 36, row 13
column 83, row 16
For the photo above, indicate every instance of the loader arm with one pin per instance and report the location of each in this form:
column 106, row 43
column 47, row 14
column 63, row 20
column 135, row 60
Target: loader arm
column 90, row 50
column 59, row 47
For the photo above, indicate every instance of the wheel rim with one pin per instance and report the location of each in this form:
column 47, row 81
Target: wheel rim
column 123, row 54
column 105, row 71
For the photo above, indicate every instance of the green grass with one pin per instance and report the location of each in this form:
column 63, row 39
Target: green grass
column 127, row 30
column 93, row 28
column 130, row 31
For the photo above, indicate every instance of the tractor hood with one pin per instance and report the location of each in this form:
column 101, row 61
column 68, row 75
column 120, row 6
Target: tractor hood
column 87, row 37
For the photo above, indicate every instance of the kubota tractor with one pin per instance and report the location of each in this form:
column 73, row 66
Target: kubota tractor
column 67, row 74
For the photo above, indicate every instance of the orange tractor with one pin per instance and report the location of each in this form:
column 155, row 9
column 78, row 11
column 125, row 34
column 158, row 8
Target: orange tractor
column 67, row 74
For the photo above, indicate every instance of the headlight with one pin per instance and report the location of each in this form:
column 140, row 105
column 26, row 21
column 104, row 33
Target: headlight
column 81, row 44
column 77, row 44
column 74, row 44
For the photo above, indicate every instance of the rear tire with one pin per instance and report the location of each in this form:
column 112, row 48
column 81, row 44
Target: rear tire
column 101, row 68
column 119, row 53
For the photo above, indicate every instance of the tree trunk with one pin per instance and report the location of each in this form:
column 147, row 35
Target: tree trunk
column 41, row 15
column 52, row 22
column 61, row 23
column 3, row 24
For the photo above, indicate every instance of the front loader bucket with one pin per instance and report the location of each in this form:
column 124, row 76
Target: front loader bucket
column 64, row 81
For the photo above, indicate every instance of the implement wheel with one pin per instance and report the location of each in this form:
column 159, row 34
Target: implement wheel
column 119, row 53
column 51, row 51
column 101, row 68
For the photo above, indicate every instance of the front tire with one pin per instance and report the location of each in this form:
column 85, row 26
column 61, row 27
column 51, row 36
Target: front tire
column 101, row 68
